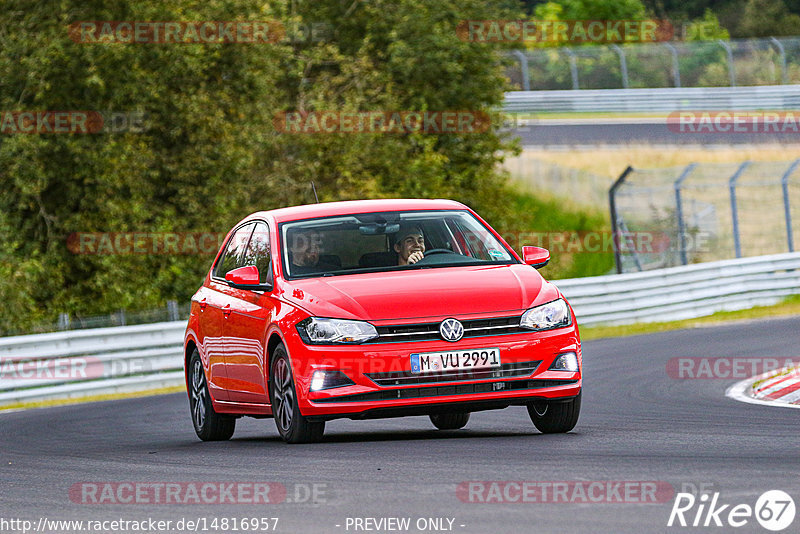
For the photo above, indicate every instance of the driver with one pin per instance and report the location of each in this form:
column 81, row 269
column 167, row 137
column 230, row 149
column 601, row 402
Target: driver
column 409, row 244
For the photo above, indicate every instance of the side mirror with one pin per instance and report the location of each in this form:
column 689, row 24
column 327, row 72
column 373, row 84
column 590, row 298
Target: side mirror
column 246, row 278
column 536, row 257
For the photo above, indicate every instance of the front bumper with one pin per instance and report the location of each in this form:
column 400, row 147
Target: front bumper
column 523, row 378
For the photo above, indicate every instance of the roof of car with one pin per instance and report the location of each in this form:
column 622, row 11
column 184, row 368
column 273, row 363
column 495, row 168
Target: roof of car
column 328, row 209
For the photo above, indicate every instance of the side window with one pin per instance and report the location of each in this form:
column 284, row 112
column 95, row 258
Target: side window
column 234, row 252
column 258, row 253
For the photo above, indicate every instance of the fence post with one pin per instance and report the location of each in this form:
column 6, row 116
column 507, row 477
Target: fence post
column 63, row 321
column 122, row 318
column 573, row 68
column 786, row 206
column 731, row 69
column 612, row 204
column 623, row 64
column 523, row 65
column 679, row 212
column 737, row 243
column 782, row 51
column 676, row 69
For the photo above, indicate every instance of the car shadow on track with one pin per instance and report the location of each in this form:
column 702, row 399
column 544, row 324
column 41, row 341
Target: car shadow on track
column 403, row 435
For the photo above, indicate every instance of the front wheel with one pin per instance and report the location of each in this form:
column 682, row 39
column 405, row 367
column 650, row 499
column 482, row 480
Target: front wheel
column 292, row 425
column 554, row 417
column 208, row 424
column 450, row 421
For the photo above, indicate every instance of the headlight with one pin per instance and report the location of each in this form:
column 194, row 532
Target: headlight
column 321, row 331
column 547, row 316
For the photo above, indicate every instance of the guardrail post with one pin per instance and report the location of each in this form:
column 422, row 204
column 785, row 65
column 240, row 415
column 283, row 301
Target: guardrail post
column 734, row 213
column 676, row 69
column 63, row 321
column 679, row 212
column 782, row 51
column 573, row 68
column 786, row 206
column 523, row 65
column 172, row 310
column 623, row 64
column 731, row 69
column 612, row 204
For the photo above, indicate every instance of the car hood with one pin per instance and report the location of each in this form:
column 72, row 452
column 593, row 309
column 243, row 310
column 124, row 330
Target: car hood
column 436, row 292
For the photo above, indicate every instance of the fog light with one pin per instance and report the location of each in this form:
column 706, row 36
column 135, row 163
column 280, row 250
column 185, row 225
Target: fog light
column 566, row 362
column 318, row 380
column 329, row 379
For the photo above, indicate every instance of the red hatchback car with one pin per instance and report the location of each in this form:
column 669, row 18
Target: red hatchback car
column 377, row 308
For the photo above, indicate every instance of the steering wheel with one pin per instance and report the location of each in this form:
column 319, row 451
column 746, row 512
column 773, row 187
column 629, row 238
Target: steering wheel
column 433, row 251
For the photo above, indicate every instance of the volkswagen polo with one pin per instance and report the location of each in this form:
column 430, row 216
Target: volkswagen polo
column 377, row 308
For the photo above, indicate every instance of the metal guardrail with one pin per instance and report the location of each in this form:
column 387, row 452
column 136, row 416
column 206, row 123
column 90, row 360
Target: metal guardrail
column 91, row 362
column 130, row 358
column 683, row 292
column 771, row 97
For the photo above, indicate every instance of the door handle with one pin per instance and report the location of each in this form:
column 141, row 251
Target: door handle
column 226, row 310
column 203, row 304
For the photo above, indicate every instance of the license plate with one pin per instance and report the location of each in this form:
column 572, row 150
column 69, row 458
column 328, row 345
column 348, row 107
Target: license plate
column 457, row 360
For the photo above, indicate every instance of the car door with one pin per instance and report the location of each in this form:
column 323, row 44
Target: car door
column 210, row 324
column 246, row 325
column 218, row 308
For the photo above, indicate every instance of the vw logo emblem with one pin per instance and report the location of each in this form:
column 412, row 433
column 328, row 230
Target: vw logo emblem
column 451, row 330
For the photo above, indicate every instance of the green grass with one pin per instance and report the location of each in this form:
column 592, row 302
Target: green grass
column 790, row 306
column 92, row 398
column 536, row 217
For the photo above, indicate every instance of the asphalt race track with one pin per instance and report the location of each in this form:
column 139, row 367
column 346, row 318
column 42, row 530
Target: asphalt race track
column 637, row 424
column 581, row 132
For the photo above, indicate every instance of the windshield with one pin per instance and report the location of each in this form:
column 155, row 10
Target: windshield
column 370, row 242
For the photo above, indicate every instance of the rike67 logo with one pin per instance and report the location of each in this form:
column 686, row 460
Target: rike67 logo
column 774, row 510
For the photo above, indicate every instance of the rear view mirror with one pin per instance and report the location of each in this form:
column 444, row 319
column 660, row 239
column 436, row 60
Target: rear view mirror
column 246, row 278
column 379, row 228
column 536, row 257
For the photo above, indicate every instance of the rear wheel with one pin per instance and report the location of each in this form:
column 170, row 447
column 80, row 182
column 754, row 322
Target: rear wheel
column 553, row 417
column 292, row 425
column 450, row 421
column 208, row 424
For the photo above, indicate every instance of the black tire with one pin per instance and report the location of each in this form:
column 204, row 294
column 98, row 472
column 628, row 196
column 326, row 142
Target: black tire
column 555, row 417
column 450, row 421
column 208, row 424
column 292, row 425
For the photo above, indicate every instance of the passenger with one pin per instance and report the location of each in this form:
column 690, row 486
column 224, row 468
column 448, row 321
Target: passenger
column 305, row 245
column 409, row 245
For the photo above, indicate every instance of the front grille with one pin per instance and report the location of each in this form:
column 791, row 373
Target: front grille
column 403, row 378
column 442, row 391
column 430, row 331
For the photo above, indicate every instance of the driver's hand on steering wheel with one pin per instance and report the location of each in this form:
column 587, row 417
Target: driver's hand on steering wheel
column 414, row 257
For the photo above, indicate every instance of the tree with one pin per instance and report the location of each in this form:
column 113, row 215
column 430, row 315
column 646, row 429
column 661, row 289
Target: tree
column 209, row 153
